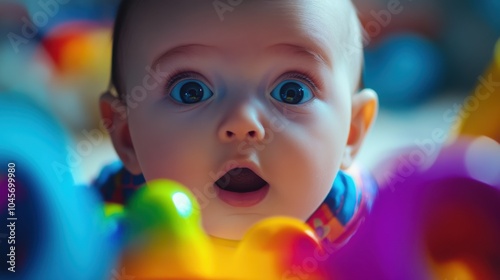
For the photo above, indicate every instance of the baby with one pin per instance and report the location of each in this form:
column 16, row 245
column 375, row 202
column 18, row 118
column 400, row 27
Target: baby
column 254, row 105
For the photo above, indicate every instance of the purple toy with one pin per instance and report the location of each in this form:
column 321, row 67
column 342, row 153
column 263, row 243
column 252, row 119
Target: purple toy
column 441, row 222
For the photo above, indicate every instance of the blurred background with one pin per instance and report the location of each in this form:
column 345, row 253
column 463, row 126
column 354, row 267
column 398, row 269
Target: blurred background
column 423, row 57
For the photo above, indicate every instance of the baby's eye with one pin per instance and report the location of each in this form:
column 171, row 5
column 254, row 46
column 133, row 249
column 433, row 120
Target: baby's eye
column 191, row 91
column 292, row 92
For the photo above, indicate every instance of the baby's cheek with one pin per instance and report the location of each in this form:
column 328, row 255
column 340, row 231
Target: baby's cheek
column 304, row 176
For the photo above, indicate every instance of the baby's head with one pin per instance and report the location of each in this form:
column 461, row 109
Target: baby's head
column 267, row 87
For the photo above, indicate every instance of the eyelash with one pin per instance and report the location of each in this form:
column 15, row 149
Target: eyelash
column 180, row 75
column 306, row 77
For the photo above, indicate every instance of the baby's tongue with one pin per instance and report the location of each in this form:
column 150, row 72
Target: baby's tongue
column 241, row 180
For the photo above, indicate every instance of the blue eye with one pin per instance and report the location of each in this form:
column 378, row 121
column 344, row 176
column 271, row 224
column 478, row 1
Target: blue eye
column 292, row 92
column 191, row 91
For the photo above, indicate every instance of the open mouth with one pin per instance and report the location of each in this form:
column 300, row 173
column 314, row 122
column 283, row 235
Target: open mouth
column 241, row 180
column 241, row 187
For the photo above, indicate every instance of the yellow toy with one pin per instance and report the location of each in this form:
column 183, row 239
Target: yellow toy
column 480, row 115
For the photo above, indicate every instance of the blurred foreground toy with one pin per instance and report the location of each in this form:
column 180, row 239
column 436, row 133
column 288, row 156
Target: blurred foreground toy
column 441, row 222
column 163, row 239
column 55, row 228
column 480, row 112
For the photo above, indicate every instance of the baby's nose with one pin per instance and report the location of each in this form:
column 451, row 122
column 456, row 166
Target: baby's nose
column 241, row 124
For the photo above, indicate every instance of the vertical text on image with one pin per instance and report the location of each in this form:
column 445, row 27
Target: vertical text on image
column 11, row 219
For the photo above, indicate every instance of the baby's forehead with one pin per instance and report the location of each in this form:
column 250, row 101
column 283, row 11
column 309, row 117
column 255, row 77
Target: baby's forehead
column 153, row 26
column 332, row 19
column 222, row 8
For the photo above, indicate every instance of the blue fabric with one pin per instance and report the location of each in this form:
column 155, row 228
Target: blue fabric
column 342, row 198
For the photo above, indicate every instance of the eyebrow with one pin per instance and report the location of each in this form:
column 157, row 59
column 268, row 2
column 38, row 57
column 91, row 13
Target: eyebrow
column 188, row 49
column 313, row 52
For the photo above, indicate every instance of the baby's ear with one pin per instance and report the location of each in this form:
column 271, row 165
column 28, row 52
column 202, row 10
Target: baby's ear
column 114, row 117
column 364, row 113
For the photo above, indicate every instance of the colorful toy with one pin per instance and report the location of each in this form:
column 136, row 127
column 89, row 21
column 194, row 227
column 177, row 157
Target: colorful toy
column 436, row 223
column 163, row 239
column 479, row 114
column 72, row 46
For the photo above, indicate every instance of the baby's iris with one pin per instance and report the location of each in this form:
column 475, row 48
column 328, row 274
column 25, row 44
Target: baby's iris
column 292, row 92
column 191, row 91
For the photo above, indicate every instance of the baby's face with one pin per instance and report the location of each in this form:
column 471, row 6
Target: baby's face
column 262, row 86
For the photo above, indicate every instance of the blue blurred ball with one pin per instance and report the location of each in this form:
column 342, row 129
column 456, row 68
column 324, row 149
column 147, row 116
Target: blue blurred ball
column 404, row 70
column 59, row 226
